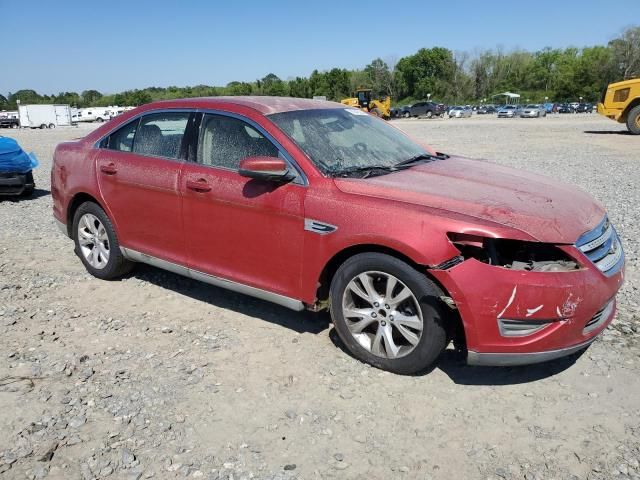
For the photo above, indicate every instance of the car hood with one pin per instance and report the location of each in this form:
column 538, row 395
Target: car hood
column 541, row 207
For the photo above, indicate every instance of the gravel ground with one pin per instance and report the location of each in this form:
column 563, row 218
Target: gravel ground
column 158, row 376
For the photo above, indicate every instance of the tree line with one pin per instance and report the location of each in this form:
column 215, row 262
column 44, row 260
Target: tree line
column 437, row 73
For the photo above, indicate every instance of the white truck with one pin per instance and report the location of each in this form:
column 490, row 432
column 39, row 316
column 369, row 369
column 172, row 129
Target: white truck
column 44, row 116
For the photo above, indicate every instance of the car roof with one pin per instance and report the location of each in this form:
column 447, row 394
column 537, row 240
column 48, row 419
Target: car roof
column 263, row 104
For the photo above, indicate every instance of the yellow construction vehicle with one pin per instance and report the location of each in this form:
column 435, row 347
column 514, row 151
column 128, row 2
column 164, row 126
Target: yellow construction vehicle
column 621, row 102
column 363, row 101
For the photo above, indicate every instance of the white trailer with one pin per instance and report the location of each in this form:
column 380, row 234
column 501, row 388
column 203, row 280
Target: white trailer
column 94, row 114
column 44, row 116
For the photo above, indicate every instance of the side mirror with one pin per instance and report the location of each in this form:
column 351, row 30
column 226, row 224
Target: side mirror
column 272, row 169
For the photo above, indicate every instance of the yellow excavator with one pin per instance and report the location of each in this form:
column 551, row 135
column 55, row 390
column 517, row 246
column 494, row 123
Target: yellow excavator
column 363, row 101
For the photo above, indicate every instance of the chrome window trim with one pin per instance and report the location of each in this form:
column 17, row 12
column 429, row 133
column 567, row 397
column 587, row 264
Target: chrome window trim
column 301, row 178
column 276, row 298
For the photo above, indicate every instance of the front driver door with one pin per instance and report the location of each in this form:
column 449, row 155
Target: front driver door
column 236, row 228
column 138, row 169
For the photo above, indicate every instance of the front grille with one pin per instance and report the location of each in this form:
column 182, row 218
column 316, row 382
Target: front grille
column 599, row 318
column 602, row 246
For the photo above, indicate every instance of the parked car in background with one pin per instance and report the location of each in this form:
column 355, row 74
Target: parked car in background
column 312, row 204
column 509, row 111
column 460, row 112
column 486, row 110
column 584, row 108
column 405, row 111
column 426, row 109
column 16, row 169
column 565, row 108
column 533, row 111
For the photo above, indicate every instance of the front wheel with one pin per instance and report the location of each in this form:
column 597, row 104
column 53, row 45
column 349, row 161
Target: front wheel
column 633, row 120
column 429, row 114
column 387, row 313
column 97, row 244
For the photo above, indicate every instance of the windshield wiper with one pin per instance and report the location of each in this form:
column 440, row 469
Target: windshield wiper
column 367, row 170
column 421, row 158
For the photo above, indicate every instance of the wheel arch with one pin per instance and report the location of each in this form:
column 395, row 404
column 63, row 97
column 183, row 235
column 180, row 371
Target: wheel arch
column 631, row 105
column 78, row 199
column 455, row 326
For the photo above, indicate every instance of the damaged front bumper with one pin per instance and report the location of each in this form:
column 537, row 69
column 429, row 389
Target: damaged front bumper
column 517, row 317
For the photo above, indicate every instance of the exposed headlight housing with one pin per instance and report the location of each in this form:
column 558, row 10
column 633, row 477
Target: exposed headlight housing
column 513, row 254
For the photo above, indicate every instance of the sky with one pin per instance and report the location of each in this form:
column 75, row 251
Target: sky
column 116, row 45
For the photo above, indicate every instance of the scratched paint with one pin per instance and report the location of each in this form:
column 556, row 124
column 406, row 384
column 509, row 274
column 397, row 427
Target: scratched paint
column 531, row 311
column 513, row 296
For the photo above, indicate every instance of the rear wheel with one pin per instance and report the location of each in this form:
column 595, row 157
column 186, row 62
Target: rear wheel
column 51, row 125
column 43, row 126
column 97, row 244
column 388, row 314
column 429, row 114
column 633, row 120
column 406, row 115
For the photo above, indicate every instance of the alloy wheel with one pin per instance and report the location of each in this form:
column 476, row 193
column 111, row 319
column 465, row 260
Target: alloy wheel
column 93, row 241
column 382, row 314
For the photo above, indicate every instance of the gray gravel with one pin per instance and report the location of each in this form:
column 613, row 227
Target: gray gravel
column 158, row 376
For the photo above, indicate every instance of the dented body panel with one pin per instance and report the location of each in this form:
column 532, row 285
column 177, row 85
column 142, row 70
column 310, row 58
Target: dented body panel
column 280, row 239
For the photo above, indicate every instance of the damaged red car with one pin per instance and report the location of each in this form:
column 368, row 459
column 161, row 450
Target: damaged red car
column 315, row 205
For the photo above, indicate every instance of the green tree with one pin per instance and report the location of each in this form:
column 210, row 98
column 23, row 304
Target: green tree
column 626, row 53
column 299, row 87
column 89, row 97
column 272, row 85
column 379, row 78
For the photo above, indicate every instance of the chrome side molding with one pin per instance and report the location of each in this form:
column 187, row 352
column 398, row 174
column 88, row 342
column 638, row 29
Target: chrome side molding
column 320, row 228
column 276, row 298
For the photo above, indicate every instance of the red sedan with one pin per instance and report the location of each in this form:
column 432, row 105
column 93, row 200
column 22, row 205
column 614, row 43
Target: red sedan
column 311, row 204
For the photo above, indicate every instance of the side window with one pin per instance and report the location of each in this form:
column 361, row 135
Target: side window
column 160, row 134
column 122, row 139
column 224, row 141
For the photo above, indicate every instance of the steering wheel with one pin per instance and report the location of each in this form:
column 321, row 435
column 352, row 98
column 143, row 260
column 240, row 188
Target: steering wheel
column 360, row 147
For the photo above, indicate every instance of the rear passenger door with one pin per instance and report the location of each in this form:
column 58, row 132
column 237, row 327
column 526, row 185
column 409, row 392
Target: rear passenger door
column 138, row 169
column 236, row 228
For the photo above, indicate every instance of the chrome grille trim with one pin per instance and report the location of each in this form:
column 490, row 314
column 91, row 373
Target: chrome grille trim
column 603, row 248
column 598, row 241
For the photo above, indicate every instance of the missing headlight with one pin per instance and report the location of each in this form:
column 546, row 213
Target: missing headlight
column 513, row 254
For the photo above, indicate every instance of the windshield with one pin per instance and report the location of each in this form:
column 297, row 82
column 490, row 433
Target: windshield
column 346, row 138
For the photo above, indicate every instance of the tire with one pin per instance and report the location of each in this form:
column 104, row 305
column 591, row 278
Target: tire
column 115, row 265
column 422, row 307
column 406, row 115
column 51, row 126
column 15, row 125
column 633, row 120
column 28, row 191
column 99, row 119
column 43, row 126
column 377, row 112
column 429, row 114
